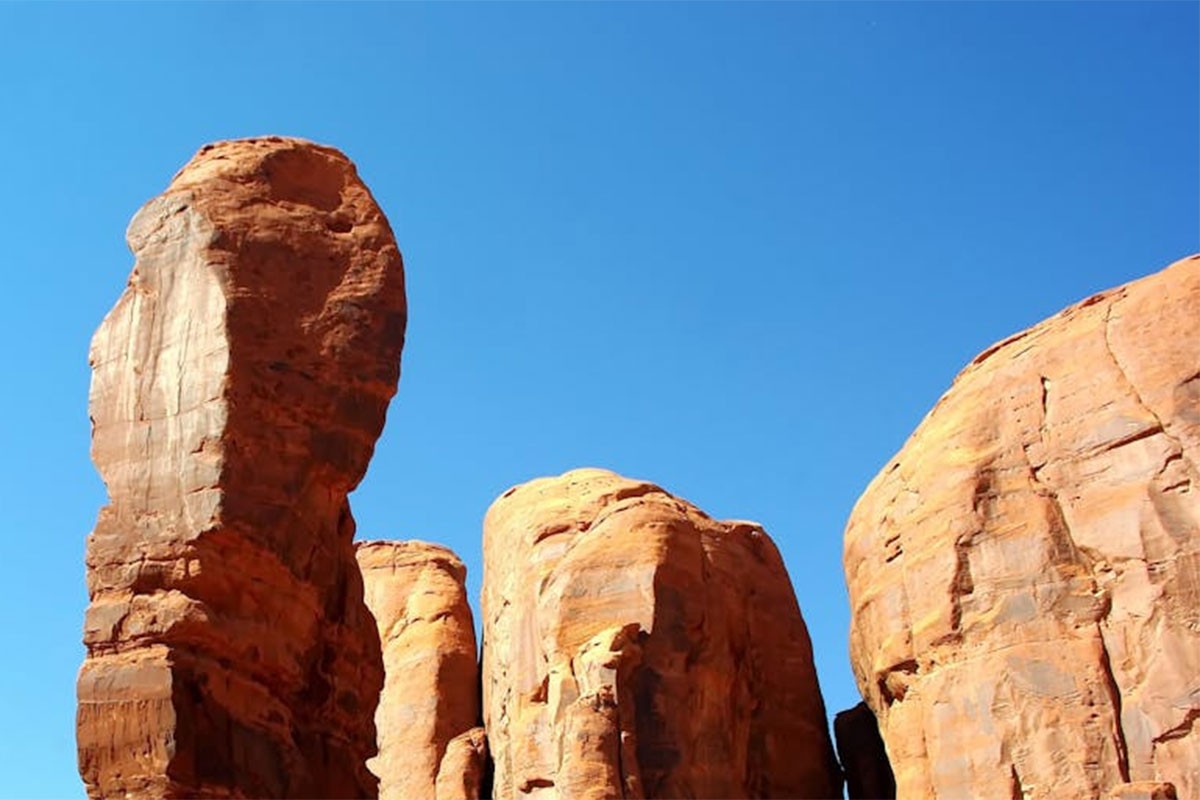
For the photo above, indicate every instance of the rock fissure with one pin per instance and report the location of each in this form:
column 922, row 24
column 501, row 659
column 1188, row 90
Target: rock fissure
column 1184, row 728
column 1133, row 390
column 1113, row 689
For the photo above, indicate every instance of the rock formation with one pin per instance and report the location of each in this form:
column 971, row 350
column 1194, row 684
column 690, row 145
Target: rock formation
column 1025, row 574
column 862, row 755
column 238, row 388
column 431, row 690
column 465, row 773
column 635, row 647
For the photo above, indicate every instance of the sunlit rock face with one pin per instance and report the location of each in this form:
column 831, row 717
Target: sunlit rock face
column 416, row 592
column 1024, row 574
column 635, row 647
column 238, row 388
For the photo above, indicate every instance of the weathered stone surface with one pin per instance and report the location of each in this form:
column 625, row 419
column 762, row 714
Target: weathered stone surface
column 862, row 755
column 1144, row 790
column 635, row 647
column 431, row 688
column 238, row 388
column 1024, row 574
column 465, row 772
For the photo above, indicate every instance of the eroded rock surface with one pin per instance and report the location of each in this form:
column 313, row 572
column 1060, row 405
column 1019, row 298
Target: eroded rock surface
column 431, row 688
column 466, row 770
column 1024, row 574
column 238, row 388
column 635, row 647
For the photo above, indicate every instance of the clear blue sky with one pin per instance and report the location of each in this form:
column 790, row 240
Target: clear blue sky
column 739, row 250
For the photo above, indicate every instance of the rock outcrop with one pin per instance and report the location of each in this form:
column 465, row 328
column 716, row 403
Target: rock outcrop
column 416, row 593
column 466, row 770
column 635, row 647
column 862, row 755
column 238, row 388
column 1025, row 574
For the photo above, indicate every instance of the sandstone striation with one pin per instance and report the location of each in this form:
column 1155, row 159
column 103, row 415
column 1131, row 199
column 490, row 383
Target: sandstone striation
column 1025, row 574
column 862, row 755
column 238, row 388
column 635, row 647
column 431, row 688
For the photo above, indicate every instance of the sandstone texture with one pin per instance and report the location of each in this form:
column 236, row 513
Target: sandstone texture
column 465, row 773
column 1024, row 574
column 238, row 388
column 635, row 647
column 862, row 755
column 431, row 688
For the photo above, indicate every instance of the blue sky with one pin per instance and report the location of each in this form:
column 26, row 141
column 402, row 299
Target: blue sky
column 739, row 250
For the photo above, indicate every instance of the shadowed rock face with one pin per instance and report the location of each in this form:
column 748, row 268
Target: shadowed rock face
column 431, row 690
column 635, row 647
column 238, row 388
column 1025, row 574
column 862, row 755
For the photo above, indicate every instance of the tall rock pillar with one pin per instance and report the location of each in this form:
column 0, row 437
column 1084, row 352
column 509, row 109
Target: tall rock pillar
column 416, row 592
column 238, row 388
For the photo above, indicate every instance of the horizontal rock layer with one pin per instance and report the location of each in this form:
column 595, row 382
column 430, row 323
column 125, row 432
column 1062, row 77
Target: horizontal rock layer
column 1025, row 574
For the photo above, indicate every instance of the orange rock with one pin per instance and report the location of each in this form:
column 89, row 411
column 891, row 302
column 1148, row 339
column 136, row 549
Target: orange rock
column 465, row 772
column 238, row 387
column 1025, row 574
column 431, row 690
column 635, row 647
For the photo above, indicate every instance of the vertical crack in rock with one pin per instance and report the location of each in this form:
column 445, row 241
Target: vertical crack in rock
column 1016, row 791
column 1059, row 530
column 1114, row 696
column 238, row 387
column 1159, row 427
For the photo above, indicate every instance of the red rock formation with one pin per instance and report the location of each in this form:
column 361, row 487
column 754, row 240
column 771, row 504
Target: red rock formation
column 238, row 388
column 635, row 647
column 862, row 755
column 431, row 691
column 1025, row 574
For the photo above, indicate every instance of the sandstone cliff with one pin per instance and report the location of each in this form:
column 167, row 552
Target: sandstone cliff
column 431, row 690
column 238, row 388
column 1024, row 574
column 635, row 647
